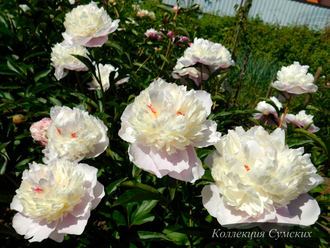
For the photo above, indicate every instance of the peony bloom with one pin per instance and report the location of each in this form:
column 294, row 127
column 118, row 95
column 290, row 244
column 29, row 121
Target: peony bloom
column 38, row 131
column 62, row 59
column 152, row 34
column 55, row 200
column 266, row 110
column 258, row 179
column 163, row 125
column 105, row 71
column 88, row 25
column 300, row 120
column 176, row 8
column 210, row 54
column 74, row 134
column 180, row 72
column 294, row 79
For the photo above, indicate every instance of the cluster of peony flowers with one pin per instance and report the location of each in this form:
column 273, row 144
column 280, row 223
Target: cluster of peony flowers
column 145, row 13
column 259, row 180
column 55, row 199
column 88, row 25
column 104, row 74
column 202, row 58
column 294, row 79
column 268, row 113
column 163, row 125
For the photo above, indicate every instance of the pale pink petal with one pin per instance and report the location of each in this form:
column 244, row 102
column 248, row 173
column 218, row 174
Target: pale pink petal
column 126, row 132
column 176, row 162
column 211, row 136
column 58, row 237
column 121, row 81
column 99, row 148
column 206, row 99
column 306, row 207
column 90, row 173
column 83, row 207
column 21, row 223
column 98, row 194
column 40, row 230
column 16, row 205
column 211, row 199
column 140, row 156
column 73, row 225
column 195, row 170
column 96, row 41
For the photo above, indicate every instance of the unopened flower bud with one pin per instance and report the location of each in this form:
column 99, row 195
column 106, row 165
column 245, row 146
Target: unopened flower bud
column 17, row 119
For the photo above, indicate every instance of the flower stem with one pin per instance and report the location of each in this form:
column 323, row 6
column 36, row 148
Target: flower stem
column 286, row 111
column 79, row 83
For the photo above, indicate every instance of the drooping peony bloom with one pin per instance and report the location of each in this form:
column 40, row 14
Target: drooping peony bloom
column 55, row 200
column 88, row 25
column 258, row 179
column 62, row 59
column 208, row 53
column 163, row 125
column 180, row 72
column 74, row 134
column 300, row 120
column 266, row 110
column 105, row 71
column 38, row 131
column 152, row 34
column 294, row 79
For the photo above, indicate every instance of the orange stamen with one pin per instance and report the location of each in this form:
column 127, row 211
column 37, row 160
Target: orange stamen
column 74, row 135
column 247, row 167
column 153, row 110
column 180, row 113
column 38, row 190
column 59, row 131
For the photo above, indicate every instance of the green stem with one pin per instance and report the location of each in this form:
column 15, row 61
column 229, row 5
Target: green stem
column 79, row 83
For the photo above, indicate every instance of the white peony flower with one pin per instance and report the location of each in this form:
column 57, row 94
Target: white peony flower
column 294, row 79
column 88, row 25
column 258, row 179
column 152, row 34
column 163, row 125
column 180, row 71
column 38, row 131
column 62, row 59
column 145, row 13
column 74, row 134
column 210, row 54
column 300, row 120
column 105, row 71
column 55, row 200
column 266, row 110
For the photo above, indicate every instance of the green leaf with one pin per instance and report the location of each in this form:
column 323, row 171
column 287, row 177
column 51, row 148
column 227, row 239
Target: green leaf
column 16, row 68
column 152, row 236
column 3, row 145
column 141, row 214
column 167, row 9
column 183, row 30
column 42, row 74
column 55, row 101
column 113, row 186
column 114, row 44
column 271, row 103
column 312, row 136
column 86, row 62
column 134, row 195
column 140, row 186
column 41, row 87
column 119, row 218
